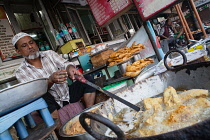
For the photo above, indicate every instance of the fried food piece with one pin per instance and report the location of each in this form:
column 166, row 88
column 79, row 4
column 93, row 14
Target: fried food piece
column 110, row 60
column 76, row 128
column 131, row 68
column 115, row 54
column 135, row 50
column 171, row 99
column 150, row 103
column 142, row 60
column 149, row 59
column 144, row 64
column 132, row 74
column 121, row 50
column 119, row 60
column 112, row 64
column 202, row 102
column 193, row 93
column 136, row 63
column 122, row 55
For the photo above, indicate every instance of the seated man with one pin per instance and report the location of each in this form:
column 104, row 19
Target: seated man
column 48, row 64
column 167, row 35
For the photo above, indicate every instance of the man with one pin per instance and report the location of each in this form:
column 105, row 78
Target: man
column 49, row 64
column 167, row 35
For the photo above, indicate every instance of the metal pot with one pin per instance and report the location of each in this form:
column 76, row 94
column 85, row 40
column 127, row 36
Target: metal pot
column 82, row 136
column 182, row 78
column 21, row 94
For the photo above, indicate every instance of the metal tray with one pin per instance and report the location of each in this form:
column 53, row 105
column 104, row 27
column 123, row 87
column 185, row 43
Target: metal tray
column 21, row 94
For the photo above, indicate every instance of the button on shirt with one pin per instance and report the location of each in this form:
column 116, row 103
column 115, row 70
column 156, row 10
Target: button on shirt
column 51, row 62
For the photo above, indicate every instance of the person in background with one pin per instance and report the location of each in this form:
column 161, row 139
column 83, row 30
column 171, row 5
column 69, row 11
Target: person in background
column 48, row 64
column 167, row 35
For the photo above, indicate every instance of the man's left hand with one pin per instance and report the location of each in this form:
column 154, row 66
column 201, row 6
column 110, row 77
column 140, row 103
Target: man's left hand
column 71, row 70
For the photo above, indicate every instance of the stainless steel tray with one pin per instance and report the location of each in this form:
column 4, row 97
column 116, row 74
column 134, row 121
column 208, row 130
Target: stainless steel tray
column 20, row 94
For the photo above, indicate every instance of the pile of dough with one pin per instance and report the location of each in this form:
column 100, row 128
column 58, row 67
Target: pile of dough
column 124, row 53
column 134, row 69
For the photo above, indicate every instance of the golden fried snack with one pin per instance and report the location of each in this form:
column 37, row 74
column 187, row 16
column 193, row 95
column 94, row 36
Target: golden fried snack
column 122, row 55
column 112, row 64
column 119, row 60
column 134, row 42
column 141, row 60
column 131, row 68
column 112, row 55
column 132, row 74
column 110, row 60
column 125, row 58
column 136, row 63
column 76, row 128
column 136, row 67
column 144, row 64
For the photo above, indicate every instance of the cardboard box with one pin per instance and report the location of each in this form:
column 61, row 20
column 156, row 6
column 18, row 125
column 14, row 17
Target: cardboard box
column 101, row 58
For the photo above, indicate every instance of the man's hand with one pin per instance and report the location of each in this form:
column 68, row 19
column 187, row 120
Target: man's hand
column 71, row 70
column 58, row 77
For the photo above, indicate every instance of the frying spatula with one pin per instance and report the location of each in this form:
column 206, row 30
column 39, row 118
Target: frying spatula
column 83, row 80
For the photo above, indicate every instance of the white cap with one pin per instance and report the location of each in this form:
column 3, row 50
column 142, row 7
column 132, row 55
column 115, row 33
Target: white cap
column 18, row 36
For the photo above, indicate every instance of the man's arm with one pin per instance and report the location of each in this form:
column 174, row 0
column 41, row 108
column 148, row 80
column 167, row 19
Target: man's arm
column 162, row 32
column 58, row 77
column 163, row 36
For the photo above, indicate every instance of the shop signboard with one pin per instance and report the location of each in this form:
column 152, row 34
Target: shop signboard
column 105, row 11
column 7, row 50
column 148, row 8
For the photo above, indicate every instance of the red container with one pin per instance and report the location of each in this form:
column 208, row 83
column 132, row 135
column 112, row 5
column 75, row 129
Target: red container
column 79, row 68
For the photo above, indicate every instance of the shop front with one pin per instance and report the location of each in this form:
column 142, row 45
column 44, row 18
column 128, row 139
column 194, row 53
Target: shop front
column 112, row 41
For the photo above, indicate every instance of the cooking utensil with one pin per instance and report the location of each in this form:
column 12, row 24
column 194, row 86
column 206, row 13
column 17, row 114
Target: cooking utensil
column 102, row 120
column 193, row 76
column 21, row 94
column 82, row 136
column 171, row 51
column 83, row 80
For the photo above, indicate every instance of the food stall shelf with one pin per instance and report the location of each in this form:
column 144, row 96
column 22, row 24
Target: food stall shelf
column 113, row 80
column 95, row 69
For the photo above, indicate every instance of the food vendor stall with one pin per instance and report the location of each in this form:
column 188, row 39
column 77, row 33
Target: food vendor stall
column 126, row 120
column 130, row 58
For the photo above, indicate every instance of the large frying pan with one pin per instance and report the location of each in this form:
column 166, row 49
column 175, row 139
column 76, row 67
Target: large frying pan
column 21, row 94
column 183, row 78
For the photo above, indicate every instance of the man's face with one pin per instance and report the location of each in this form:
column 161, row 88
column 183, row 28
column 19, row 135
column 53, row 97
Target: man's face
column 26, row 46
